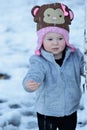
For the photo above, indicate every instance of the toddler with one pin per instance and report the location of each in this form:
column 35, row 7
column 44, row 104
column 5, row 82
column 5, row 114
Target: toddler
column 55, row 69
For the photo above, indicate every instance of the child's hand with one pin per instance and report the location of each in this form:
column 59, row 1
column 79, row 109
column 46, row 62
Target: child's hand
column 32, row 85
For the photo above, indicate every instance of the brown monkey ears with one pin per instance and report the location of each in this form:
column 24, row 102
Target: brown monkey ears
column 35, row 10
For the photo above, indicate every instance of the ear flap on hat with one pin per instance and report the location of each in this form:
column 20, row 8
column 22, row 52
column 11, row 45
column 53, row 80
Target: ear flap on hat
column 34, row 10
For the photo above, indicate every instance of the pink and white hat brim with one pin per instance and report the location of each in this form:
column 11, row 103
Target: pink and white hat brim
column 42, row 32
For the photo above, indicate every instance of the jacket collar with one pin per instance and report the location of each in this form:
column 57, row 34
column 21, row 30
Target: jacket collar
column 49, row 56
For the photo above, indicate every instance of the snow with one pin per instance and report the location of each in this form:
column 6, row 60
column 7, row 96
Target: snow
column 17, row 43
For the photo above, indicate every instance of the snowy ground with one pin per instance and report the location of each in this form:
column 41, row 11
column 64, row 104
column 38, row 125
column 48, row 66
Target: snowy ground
column 17, row 43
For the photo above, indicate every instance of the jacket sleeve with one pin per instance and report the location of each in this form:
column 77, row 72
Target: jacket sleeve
column 36, row 71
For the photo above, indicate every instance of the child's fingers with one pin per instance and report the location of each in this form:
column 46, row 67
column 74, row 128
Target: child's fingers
column 32, row 85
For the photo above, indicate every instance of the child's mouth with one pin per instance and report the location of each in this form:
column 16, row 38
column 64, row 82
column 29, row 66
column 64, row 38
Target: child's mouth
column 55, row 49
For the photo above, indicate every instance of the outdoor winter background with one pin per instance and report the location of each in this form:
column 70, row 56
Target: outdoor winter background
column 17, row 44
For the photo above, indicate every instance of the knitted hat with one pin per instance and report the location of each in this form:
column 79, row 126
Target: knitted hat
column 55, row 17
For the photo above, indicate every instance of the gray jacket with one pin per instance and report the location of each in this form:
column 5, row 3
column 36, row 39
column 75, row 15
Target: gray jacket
column 59, row 93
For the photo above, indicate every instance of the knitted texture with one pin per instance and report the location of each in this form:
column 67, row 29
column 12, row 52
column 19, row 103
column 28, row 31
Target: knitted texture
column 55, row 17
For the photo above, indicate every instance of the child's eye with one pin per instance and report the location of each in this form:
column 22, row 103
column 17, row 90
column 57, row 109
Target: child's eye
column 60, row 38
column 50, row 39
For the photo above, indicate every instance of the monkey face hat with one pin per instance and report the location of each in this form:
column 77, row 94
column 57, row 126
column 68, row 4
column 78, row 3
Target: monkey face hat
column 55, row 17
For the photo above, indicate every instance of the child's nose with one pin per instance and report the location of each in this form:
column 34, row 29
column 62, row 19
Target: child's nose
column 55, row 41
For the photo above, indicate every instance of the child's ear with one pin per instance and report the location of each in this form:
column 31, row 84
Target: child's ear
column 34, row 10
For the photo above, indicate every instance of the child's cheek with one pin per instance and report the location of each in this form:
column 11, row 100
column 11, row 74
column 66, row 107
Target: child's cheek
column 62, row 46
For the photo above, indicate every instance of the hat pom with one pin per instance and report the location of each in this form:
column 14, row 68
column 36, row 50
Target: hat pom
column 37, row 52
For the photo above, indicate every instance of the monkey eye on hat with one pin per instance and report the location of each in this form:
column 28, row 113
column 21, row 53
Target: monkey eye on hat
column 55, row 17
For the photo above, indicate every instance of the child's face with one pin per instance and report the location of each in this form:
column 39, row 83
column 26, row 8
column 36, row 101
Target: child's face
column 54, row 43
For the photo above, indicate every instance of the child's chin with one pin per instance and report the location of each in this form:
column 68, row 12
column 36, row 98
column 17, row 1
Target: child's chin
column 56, row 53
